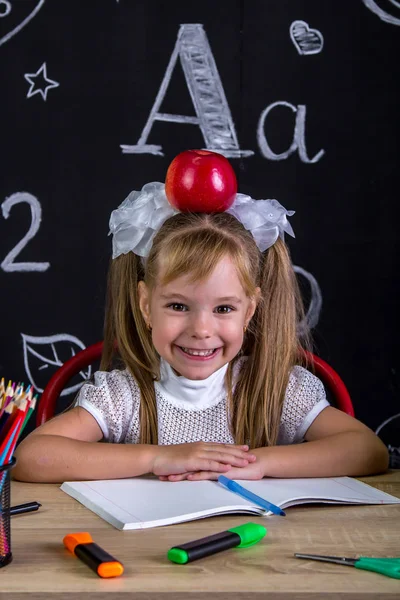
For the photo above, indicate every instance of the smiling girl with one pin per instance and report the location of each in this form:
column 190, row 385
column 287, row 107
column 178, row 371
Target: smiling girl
column 202, row 320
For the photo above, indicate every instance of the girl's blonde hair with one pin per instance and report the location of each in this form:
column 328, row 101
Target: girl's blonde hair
column 195, row 243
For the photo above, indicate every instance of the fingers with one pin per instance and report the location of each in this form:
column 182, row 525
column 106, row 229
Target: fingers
column 201, row 456
column 180, row 477
column 199, row 476
column 237, row 458
column 231, row 448
column 212, row 465
column 229, row 453
column 218, row 457
column 235, row 461
column 202, row 475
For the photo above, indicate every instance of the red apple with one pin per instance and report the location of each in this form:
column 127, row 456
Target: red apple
column 200, row 181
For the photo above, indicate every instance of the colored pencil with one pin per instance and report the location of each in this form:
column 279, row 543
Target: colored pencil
column 17, row 420
column 32, row 407
column 2, row 392
column 16, row 407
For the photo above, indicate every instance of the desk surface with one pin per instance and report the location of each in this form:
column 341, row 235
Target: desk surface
column 43, row 568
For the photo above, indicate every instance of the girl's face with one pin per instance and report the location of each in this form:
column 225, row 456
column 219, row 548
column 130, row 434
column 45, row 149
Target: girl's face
column 198, row 327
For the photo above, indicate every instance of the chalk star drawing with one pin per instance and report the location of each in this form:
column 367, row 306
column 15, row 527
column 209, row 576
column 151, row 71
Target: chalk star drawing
column 42, row 73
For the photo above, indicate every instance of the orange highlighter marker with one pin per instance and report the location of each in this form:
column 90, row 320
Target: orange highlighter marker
column 102, row 563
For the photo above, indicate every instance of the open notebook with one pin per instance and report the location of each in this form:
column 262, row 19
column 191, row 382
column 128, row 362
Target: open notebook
column 144, row 502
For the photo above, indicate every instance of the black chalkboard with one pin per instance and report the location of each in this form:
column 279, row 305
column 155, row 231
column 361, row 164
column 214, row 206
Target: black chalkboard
column 97, row 99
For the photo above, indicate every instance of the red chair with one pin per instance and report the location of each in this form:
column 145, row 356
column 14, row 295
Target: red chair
column 333, row 383
column 53, row 389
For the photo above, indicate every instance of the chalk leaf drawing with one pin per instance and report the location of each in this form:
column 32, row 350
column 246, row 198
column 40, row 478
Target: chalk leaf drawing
column 42, row 79
column 44, row 353
column 213, row 115
column 314, row 309
column 392, row 17
column 37, row 6
column 306, row 40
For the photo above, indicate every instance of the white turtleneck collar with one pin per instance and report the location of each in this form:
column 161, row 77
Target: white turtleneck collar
column 188, row 393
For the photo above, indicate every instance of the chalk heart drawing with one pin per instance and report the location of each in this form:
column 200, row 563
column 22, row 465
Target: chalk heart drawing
column 387, row 10
column 306, row 40
column 44, row 353
column 21, row 25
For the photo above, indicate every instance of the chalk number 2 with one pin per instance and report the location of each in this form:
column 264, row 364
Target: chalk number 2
column 8, row 263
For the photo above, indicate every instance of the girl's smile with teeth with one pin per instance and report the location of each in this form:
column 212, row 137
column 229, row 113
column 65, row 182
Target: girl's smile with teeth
column 197, row 352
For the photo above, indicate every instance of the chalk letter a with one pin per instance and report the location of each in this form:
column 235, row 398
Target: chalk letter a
column 299, row 135
column 213, row 115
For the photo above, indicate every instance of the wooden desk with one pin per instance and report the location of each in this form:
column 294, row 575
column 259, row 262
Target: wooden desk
column 43, row 568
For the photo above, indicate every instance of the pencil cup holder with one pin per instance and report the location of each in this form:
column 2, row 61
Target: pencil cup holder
column 5, row 526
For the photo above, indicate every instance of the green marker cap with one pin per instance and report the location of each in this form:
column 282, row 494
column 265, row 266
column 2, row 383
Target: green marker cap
column 249, row 533
column 177, row 555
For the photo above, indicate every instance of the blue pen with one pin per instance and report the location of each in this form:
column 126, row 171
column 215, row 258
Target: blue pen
column 241, row 491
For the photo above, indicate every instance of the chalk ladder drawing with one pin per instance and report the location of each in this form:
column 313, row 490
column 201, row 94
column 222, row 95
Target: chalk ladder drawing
column 306, row 40
column 49, row 357
column 207, row 93
column 8, row 263
column 384, row 15
column 36, row 86
column 6, row 11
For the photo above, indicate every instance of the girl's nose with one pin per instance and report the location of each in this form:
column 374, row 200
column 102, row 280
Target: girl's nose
column 201, row 325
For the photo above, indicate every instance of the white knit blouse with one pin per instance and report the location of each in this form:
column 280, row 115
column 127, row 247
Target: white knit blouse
column 192, row 411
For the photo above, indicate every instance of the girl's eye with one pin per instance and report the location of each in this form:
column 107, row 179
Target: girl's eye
column 177, row 307
column 224, row 310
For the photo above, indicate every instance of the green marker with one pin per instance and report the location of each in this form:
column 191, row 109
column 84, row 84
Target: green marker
column 243, row 536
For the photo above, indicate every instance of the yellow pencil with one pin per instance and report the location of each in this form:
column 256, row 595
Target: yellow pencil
column 9, row 389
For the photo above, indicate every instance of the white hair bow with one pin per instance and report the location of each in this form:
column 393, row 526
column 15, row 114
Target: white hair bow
column 137, row 220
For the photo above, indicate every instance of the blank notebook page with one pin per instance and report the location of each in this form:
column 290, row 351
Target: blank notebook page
column 143, row 500
column 288, row 492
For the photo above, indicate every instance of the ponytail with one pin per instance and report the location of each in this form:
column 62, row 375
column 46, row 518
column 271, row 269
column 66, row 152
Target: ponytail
column 127, row 338
column 273, row 348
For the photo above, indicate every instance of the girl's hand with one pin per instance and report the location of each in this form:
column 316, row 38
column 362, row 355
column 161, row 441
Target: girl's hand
column 253, row 471
column 181, row 459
